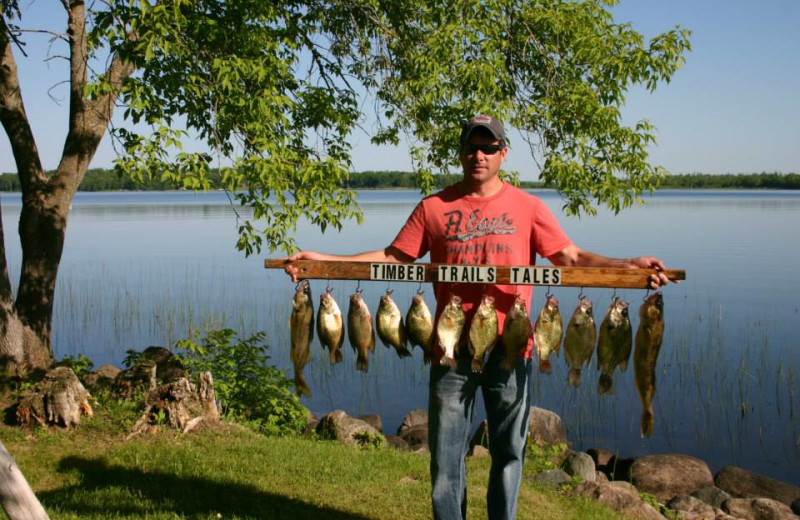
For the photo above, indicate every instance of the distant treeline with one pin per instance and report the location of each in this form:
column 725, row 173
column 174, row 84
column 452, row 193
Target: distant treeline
column 106, row 180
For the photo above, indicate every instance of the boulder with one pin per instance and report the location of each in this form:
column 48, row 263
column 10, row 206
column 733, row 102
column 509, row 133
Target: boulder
column 479, row 452
column 416, row 437
column 397, row 442
column 373, row 420
column 796, row 506
column 337, row 425
column 551, row 478
column 758, row 509
column 711, row 495
column 546, row 427
column 103, row 377
column 690, row 504
column 621, row 497
column 580, row 464
column 601, row 457
column 670, row 475
column 619, row 468
column 742, row 483
column 413, row 418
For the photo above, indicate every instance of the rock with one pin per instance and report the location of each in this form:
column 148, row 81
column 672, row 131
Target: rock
column 619, row 468
column 796, row 506
column 621, row 497
column 479, row 452
column 551, row 478
column 168, row 367
column 373, row 420
column 103, row 377
column 600, row 477
column 480, row 437
column 758, row 509
column 546, row 427
column 416, row 437
column 397, row 442
column 690, row 504
column 580, row 464
column 711, row 495
column 58, row 399
column 745, row 484
column 413, row 418
column 666, row 476
column 350, row 431
column 601, row 457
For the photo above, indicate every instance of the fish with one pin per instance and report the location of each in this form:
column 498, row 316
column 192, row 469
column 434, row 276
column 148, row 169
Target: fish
column 391, row 329
column 649, row 336
column 547, row 333
column 516, row 332
column 419, row 327
column 360, row 330
column 449, row 328
column 579, row 340
column 330, row 326
column 482, row 332
column 301, row 332
column 614, row 344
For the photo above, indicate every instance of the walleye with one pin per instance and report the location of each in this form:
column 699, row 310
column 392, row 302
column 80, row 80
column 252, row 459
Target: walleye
column 547, row 333
column 389, row 322
column 482, row 332
column 448, row 329
column 648, row 343
column 614, row 344
column 301, row 332
column 330, row 327
column 579, row 340
column 419, row 326
column 360, row 331
column 516, row 332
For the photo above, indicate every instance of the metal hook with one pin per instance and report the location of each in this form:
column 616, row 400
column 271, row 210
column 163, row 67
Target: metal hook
column 548, row 294
column 614, row 296
column 646, row 294
column 581, row 296
column 358, row 287
column 328, row 288
column 301, row 283
column 420, row 291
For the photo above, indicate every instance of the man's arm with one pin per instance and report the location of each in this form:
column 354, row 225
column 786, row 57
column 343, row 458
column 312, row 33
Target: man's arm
column 573, row 255
column 387, row 255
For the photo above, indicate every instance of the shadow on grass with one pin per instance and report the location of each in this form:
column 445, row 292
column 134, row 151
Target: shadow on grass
column 108, row 490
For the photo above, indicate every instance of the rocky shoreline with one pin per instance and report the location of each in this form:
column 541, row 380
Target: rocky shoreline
column 652, row 487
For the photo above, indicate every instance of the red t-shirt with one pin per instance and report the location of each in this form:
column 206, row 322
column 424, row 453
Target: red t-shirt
column 508, row 228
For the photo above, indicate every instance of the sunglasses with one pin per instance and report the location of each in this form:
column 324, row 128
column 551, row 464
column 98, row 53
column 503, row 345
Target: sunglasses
column 486, row 149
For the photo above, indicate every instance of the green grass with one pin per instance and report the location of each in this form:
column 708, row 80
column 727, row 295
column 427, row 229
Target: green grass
column 230, row 472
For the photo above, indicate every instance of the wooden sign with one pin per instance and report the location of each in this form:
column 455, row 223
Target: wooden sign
column 488, row 274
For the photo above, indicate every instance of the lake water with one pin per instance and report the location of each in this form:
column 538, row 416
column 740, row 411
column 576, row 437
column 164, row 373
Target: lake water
column 145, row 268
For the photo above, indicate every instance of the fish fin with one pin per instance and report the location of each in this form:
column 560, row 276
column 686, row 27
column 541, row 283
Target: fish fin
column 427, row 357
column 623, row 365
column 574, row 376
column 544, row 366
column 362, row 363
column 336, row 356
column 647, row 423
column 300, row 385
column 606, row 384
column 508, row 363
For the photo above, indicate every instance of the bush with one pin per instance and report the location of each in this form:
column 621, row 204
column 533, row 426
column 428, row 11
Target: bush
column 249, row 389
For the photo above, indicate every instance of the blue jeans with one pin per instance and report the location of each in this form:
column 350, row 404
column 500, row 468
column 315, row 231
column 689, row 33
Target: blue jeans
column 451, row 404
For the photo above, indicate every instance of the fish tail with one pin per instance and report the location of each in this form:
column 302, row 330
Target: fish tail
column 362, row 363
column 336, row 356
column 403, row 352
column 647, row 422
column 574, row 376
column 623, row 365
column 301, row 386
column 544, row 365
column 606, row 384
column 427, row 357
column 477, row 365
column 508, row 363
column 449, row 361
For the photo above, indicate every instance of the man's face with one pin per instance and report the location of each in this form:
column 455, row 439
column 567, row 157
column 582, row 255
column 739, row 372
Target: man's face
column 481, row 156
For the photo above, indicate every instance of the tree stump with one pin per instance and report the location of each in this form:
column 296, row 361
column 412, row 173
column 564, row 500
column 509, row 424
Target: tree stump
column 179, row 404
column 59, row 399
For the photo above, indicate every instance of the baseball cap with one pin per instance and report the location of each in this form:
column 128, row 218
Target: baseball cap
column 494, row 127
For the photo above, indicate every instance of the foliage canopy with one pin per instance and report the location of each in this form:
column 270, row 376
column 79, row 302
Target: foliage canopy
column 275, row 90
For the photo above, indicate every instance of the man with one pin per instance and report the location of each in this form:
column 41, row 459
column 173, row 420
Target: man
column 482, row 220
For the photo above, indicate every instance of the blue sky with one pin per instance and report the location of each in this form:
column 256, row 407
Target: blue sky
column 733, row 108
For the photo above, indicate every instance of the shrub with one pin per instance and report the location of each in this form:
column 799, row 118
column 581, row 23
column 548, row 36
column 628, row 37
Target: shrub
column 250, row 390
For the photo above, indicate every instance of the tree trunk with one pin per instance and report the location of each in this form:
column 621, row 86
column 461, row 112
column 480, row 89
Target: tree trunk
column 18, row 499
